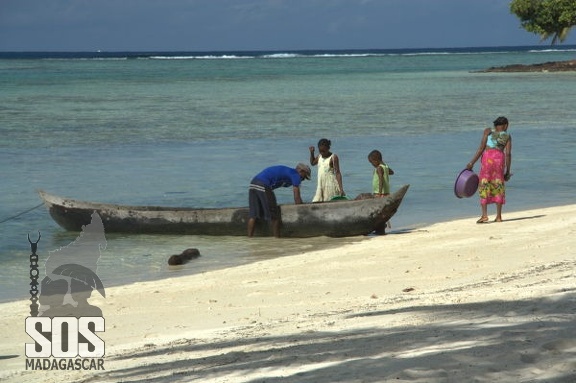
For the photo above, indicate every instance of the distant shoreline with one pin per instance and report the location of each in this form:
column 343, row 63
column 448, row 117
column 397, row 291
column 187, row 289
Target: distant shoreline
column 274, row 53
column 551, row 66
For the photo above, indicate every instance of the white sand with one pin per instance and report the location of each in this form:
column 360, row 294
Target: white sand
column 453, row 302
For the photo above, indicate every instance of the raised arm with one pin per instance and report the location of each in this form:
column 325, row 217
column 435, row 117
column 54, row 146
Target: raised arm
column 313, row 158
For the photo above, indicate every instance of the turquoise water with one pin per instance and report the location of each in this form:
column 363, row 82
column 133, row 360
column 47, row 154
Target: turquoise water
column 192, row 129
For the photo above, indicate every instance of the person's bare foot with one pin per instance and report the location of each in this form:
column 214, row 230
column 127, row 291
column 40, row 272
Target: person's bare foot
column 482, row 219
column 499, row 219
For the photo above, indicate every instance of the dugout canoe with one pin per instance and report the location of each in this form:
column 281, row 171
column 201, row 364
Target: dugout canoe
column 342, row 218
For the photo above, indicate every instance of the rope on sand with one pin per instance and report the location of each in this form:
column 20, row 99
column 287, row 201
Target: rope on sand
column 22, row 213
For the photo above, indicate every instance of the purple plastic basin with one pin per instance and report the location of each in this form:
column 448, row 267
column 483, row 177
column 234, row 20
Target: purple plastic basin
column 466, row 184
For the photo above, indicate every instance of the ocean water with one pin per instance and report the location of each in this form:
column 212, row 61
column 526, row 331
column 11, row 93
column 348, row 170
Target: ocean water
column 191, row 129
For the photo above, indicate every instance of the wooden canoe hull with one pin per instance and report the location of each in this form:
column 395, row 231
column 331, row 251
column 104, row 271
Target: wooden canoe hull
column 333, row 219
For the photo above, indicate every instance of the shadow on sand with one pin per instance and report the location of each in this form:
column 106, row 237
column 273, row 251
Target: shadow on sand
column 524, row 218
column 539, row 333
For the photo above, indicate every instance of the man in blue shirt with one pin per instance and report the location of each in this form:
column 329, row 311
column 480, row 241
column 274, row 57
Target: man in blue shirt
column 262, row 199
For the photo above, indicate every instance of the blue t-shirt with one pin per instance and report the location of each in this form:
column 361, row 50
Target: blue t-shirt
column 279, row 176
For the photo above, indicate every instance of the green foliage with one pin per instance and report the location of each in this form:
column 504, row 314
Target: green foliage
column 547, row 18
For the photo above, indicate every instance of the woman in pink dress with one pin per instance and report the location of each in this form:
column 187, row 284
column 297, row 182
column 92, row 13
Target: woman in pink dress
column 496, row 152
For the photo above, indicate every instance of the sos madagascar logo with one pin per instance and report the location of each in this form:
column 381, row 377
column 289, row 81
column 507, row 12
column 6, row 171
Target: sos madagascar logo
column 65, row 329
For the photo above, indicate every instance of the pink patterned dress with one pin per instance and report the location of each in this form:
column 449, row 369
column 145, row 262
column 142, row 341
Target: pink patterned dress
column 492, row 187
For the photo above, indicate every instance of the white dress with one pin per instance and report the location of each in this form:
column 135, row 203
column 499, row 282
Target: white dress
column 327, row 184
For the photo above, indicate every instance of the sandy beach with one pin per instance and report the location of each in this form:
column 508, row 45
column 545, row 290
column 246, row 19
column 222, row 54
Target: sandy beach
column 451, row 302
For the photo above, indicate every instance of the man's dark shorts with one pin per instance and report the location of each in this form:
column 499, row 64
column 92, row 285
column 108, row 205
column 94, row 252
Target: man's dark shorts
column 262, row 201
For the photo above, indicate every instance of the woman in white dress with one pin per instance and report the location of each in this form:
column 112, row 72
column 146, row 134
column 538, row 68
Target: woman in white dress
column 329, row 176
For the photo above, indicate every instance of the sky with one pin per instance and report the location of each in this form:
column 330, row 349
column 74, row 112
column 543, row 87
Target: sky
column 241, row 25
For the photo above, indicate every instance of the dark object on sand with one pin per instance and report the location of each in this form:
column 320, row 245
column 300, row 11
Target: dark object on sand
column 175, row 260
column 185, row 256
column 189, row 254
column 332, row 219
